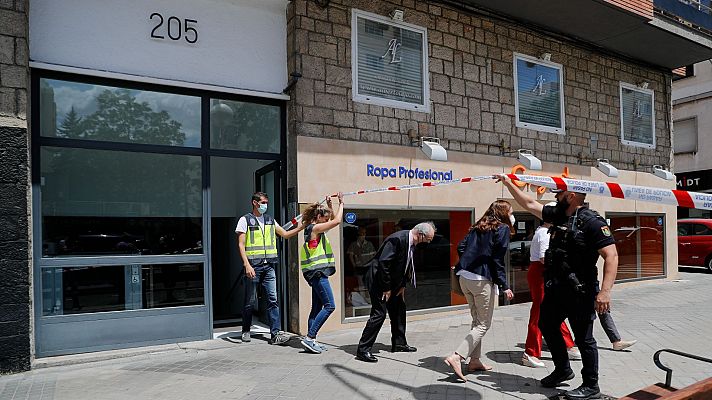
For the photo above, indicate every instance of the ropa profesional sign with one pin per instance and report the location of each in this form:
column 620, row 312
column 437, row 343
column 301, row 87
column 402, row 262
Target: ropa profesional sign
column 405, row 172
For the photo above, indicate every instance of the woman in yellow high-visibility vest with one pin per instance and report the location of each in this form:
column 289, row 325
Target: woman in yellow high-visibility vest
column 316, row 260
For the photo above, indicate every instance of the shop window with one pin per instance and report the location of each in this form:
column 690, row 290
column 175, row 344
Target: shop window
column 685, row 132
column 237, row 125
column 76, row 110
column 519, row 252
column 90, row 289
column 99, row 202
column 637, row 116
column 366, row 231
column 390, row 65
column 640, row 241
column 539, row 94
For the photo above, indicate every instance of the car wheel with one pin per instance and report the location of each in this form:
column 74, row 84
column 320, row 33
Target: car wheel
column 708, row 263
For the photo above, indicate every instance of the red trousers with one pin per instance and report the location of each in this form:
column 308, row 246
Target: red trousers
column 535, row 278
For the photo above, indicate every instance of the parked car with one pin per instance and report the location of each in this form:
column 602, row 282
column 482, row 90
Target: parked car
column 694, row 242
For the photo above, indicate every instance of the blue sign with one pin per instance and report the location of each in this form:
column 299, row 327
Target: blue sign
column 660, row 221
column 350, row 217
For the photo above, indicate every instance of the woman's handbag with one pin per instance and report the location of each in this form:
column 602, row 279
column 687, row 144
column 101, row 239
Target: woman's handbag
column 455, row 282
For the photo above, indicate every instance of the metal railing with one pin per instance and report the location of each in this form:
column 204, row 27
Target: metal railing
column 668, row 371
column 696, row 13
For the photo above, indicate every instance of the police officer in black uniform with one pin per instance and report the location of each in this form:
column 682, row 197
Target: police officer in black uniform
column 578, row 236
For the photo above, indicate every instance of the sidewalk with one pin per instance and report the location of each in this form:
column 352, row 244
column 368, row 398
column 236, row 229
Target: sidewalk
column 659, row 315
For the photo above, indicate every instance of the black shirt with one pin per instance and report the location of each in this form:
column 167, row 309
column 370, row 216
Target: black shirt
column 592, row 233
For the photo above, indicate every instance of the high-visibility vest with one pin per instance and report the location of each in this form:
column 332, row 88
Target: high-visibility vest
column 260, row 243
column 320, row 258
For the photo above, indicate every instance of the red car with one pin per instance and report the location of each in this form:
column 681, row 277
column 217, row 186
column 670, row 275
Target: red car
column 694, row 242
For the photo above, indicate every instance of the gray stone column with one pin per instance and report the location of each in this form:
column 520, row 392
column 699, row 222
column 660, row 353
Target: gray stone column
column 15, row 249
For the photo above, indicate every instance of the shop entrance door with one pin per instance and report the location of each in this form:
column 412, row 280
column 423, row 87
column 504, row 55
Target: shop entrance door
column 233, row 181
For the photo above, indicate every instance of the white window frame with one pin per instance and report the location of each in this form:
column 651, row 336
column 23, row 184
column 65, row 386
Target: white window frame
column 528, row 125
column 425, row 107
column 652, row 114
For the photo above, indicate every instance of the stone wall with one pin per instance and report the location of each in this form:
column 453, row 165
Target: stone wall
column 15, row 257
column 471, row 86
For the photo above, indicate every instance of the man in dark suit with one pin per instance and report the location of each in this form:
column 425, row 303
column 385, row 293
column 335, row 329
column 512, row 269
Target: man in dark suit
column 388, row 273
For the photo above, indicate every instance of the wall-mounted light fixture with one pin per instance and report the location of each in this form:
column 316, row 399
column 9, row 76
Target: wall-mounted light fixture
column 429, row 145
column 545, row 56
column 396, row 15
column 657, row 170
column 524, row 157
column 602, row 164
column 661, row 172
column 607, row 169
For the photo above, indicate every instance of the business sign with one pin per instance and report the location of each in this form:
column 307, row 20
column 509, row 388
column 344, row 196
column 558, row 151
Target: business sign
column 637, row 116
column 539, row 95
column 390, row 62
column 694, row 181
column 384, row 172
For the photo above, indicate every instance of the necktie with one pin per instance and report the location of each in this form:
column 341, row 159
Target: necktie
column 411, row 265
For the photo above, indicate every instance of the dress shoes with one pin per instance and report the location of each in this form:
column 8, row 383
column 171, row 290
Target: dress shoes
column 366, row 356
column 555, row 378
column 583, row 393
column 403, row 348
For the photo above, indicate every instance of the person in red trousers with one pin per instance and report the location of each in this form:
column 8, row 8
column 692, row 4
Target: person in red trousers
column 535, row 278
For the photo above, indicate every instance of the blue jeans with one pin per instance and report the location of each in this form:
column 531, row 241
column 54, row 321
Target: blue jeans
column 322, row 304
column 265, row 275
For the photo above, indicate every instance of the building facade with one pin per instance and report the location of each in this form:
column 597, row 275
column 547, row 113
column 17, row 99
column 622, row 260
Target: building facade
column 692, row 124
column 133, row 138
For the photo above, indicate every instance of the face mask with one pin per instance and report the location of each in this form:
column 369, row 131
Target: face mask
column 262, row 208
column 512, row 220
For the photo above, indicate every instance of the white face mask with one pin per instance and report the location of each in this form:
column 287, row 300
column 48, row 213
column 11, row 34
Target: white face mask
column 512, row 219
column 262, row 208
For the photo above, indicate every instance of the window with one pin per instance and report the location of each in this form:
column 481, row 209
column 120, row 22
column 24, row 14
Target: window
column 390, row 62
column 637, row 116
column 89, row 289
column 685, row 135
column 538, row 94
column 701, row 230
column 99, row 202
column 237, row 125
column 363, row 236
column 683, row 229
column 76, row 110
column 640, row 241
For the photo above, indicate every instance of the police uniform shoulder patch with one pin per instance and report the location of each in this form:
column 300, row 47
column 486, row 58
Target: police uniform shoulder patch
column 606, row 230
column 252, row 221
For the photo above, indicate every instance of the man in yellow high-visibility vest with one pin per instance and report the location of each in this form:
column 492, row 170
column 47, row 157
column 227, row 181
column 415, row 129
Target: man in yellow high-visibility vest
column 257, row 242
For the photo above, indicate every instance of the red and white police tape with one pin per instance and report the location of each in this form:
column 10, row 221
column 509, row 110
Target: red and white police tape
column 671, row 197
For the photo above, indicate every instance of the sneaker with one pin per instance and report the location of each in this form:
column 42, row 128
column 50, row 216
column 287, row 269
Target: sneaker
column 583, row 392
column 623, row 344
column 246, row 337
column 531, row 361
column 557, row 377
column 311, row 345
column 574, row 354
column 321, row 346
column 280, row 338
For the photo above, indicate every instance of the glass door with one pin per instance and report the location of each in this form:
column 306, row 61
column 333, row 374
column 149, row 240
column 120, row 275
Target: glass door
column 233, row 181
column 267, row 180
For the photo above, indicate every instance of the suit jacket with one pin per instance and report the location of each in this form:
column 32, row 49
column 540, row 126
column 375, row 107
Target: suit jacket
column 387, row 269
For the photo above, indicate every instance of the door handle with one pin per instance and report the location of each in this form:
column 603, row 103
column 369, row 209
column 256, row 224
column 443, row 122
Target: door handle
column 685, row 244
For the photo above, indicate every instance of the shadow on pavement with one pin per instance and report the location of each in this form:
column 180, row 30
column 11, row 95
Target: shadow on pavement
column 376, row 350
column 420, row 392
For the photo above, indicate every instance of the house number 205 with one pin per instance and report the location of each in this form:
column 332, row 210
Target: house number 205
column 174, row 28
